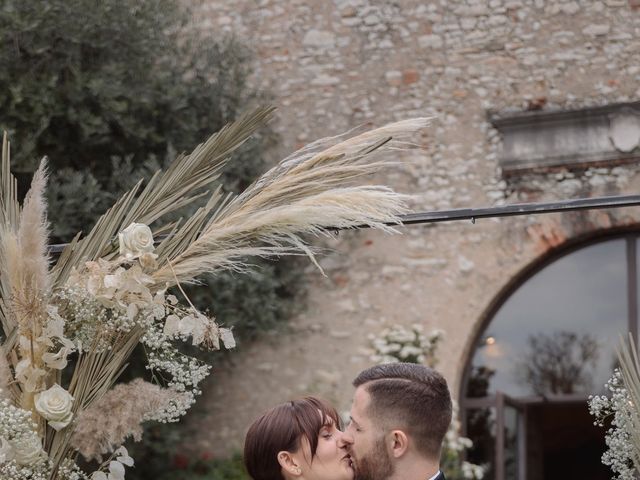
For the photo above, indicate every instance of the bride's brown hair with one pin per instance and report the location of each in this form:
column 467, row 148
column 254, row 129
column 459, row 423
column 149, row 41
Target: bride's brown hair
column 282, row 429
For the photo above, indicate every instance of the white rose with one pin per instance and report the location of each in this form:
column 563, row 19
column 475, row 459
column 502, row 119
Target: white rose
column 135, row 240
column 28, row 450
column 55, row 405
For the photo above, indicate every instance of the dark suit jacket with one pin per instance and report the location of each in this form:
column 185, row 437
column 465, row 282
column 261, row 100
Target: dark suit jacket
column 440, row 476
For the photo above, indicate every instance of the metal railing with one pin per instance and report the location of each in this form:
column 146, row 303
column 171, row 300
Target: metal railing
column 473, row 214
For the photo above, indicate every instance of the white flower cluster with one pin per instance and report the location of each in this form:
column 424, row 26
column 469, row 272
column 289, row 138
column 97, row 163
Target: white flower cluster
column 472, row 471
column 411, row 345
column 14, row 471
column 20, row 443
column 68, row 470
column 21, row 454
column 455, row 445
column 401, row 344
column 619, row 436
column 109, row 298
column 186, row 373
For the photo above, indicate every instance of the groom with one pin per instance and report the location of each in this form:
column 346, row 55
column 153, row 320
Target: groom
column 399, row 417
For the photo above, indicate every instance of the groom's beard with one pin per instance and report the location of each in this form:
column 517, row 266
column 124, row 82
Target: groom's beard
column 376, row 465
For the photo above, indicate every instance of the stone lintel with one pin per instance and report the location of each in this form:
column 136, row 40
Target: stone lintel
column 569, row 138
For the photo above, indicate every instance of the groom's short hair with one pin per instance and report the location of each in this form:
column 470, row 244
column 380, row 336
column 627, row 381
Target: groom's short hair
column 412, row 398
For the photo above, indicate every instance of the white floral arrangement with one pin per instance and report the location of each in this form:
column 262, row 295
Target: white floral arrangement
column 410, row 344
column 68, row 328
column 400, row 344
column 620, row 412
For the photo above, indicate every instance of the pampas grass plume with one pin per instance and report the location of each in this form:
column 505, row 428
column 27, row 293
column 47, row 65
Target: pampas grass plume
column 107, row 423
column 310, row 192
column 33, row 233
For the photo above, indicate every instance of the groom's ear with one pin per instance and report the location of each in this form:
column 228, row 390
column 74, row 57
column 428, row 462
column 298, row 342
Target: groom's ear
column 398, row 443
column 289, row 463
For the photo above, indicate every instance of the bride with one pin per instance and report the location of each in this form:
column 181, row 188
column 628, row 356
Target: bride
column 297, row 440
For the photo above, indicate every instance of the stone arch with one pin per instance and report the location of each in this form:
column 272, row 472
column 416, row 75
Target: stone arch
column 554, row 240
column 541, row 400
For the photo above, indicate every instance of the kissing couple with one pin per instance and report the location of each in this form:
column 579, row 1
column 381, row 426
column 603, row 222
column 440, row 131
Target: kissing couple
column 399, row 417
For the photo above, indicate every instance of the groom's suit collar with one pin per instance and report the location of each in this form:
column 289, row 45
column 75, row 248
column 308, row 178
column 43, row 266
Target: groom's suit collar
column 438, row 476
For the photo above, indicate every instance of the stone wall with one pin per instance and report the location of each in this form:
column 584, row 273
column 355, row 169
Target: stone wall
column 334, row 65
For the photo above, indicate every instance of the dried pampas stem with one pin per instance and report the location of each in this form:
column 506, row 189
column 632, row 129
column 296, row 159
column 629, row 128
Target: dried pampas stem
column 310, row 192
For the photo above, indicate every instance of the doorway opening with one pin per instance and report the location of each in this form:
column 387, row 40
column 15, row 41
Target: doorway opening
column 562, row 443
column 550, row 344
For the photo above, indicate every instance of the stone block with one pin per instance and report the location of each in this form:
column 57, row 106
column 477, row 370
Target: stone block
column 348, row 12
column 570, row 8
column 393, row 77
column 596, row 30
column 319, row 39
column 430, row 41
column 410, row 76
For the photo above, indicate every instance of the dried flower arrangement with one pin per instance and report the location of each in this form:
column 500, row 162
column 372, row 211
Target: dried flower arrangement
column 68, row 328
column 621, row 409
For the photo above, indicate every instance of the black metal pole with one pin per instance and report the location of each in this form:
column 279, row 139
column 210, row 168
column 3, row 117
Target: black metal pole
column 521, row 209
column 502, row 211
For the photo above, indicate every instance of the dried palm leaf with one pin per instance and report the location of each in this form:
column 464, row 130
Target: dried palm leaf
column 6, row 377
column 166, row 192
column 9, row 214
column 9, row 206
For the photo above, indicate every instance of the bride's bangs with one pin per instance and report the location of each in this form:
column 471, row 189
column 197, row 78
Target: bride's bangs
column 309, row 423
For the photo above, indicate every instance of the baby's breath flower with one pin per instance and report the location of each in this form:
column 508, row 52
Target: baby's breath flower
column 618, row 437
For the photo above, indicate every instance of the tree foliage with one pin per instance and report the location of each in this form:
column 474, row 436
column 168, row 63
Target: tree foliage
column 560, row 363
column 107, row 90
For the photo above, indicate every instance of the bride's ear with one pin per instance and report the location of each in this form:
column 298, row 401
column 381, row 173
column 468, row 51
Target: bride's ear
column 289, row 463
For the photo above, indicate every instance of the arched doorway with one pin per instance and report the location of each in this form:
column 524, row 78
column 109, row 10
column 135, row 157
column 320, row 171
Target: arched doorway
column 546, row 346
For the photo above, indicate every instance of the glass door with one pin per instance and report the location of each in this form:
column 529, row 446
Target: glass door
column 510, row 438
column 498, row 426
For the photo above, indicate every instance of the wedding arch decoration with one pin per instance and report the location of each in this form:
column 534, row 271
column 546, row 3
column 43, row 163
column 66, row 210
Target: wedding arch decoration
column 69, row 326
column 618, row 411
